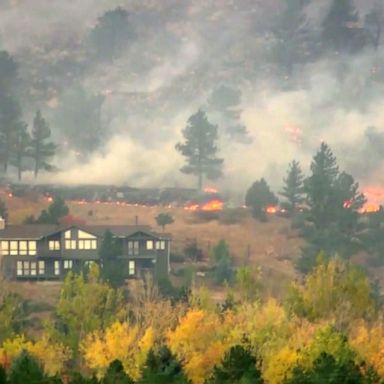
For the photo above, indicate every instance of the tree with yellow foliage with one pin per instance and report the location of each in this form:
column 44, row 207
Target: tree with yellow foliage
column 86, row 304
column 121, row 341
column 336, row 290
column 200, row 342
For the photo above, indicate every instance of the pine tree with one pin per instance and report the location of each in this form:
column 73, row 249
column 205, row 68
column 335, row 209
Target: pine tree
column 332, row 219
column 259, row 196
column 200, row 149
column 113, row 270
column 115, row 374
column 21, row 147
column 341, row 30
column 56, row 210
column 237, row 367
column 164, row 219
column 25, row 369
column 162, row 367
column 42, row 149
column 293, row 188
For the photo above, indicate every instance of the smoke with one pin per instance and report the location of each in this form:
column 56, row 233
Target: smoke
column 185, row 50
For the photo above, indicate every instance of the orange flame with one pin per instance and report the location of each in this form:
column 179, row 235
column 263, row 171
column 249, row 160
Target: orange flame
column 213, row 205
column 272, row 209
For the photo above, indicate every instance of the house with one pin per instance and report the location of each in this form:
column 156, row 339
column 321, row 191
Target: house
column 48, row 252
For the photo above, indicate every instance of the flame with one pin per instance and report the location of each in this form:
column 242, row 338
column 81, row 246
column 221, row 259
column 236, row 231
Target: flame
column 208, row 206
column 272, row 209
column 375, row 198
column 213, row 205
column 10, row 194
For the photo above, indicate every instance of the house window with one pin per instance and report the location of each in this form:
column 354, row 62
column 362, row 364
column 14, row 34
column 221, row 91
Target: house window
column 5, row 248
column 41, row 267
column 54, row 245
column 23, row 248
column 133, row 247
column 149, row 244
column 14, row 247
column 19, row 268
column 67, row 234
column 68, row 264
column 70, row 244
column 26, row 268
column 85, row 235
column 57, row 268
column 160, row 245
column 33, row 268
column 32, row 248
column 87, row 244
column 131, row 267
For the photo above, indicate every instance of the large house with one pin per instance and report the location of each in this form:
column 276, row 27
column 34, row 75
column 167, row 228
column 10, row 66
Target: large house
column 48, row 252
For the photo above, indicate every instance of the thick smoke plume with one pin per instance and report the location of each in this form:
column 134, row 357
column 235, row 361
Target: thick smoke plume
column 183, row 51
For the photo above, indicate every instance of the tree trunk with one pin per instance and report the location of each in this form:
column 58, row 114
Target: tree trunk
column 200, row 181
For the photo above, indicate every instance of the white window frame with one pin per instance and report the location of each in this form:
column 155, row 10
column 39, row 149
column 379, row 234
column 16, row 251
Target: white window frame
column 70, row 244
column 19, row 268
column 33, row 268
column 68, row 264
column 13, row 247
column 32, row 246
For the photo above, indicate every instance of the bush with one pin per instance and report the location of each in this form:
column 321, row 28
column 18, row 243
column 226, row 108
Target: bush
column 176, row 258
column 232, row 216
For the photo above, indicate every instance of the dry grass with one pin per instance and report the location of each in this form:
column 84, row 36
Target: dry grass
column 271, row 246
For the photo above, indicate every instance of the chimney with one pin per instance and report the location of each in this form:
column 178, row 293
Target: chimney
column 136, row 220
column 2, row 223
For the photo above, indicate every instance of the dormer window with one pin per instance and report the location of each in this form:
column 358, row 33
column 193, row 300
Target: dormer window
column 149, row 244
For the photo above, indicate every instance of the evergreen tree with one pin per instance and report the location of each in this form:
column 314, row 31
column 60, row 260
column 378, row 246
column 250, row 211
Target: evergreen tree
column 3, row 375
column 42, row 149
column 293, row 188
column 21, row 147
column 374, row 23
column 326, row 369
column 3, row 210
column 112, row 34
column 259, row 196
column 200, row 149
column 164, row 219
column 332, row 219
column 10, row 114
column 56, row 210
column 237, row 367
column 115, row 374
column 25, row 369
column 341, row 30
column 162, row 367
column 113, row 269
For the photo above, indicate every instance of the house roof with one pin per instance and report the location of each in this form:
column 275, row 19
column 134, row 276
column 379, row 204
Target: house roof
column 38, row 231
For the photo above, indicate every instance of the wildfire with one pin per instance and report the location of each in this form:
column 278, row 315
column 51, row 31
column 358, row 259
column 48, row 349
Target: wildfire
column 375, row 198
column 208, row 206
column 272, row 209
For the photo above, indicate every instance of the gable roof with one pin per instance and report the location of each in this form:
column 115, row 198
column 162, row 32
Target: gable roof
column 38, row 231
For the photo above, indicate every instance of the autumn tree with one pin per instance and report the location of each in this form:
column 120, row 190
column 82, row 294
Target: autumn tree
column 200, row 149
column 122, row 341
column 293, row 188
column 112, row 34
column 42, row 149
column 85, row 305
column 258, row 197
column 163, row 219
column 238, row 367
column 334, row 289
